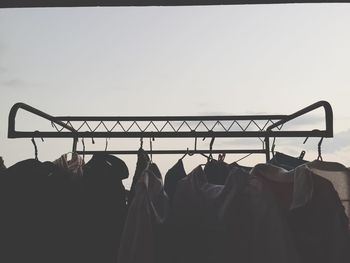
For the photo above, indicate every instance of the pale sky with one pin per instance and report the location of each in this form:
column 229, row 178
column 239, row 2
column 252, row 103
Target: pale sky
column 231, row 60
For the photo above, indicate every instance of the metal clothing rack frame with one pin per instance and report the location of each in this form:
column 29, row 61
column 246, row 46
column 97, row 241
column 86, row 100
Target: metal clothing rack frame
column 263, row 127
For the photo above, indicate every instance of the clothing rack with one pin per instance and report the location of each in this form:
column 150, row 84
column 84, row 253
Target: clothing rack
column 263, row 127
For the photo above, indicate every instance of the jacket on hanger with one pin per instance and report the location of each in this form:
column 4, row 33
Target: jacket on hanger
column 35, row 204
column 142, row 238
column 234, row 222
column 313, row 210
column 142, row 162
column 104, row 207
column 174, row 174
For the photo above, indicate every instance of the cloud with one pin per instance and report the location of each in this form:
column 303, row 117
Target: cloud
column 340, row 141
column 13, row 83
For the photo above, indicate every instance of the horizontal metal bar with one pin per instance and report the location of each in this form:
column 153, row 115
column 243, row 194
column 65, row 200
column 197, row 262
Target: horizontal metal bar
column 243, row 151
column 82, row 3
column 171, row 118
column 192, row 134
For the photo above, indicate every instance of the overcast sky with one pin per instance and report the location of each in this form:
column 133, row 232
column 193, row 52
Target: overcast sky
column 272, row 59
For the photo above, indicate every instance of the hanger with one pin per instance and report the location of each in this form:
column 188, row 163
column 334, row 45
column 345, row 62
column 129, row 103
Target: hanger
column 83, row 143
column 273, row 147
column 211, row 148
column 150, row 147
column 319, row 145
column 191, row 153
column 240, row 159
column 35, row 147
column 188, row 152
column 319, row 150
column 141, row 143
column 106, row 146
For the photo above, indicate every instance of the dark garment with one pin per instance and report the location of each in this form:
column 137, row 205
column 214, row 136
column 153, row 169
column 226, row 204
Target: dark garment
column 286, row 161
column 2, row 165
column 143, row 236
column 35, row 219
column 174, row 174
column 216, row 171
column 313, row 210
column 104, row 208
column 234, row 222
column 142, row 162
column 236, row 165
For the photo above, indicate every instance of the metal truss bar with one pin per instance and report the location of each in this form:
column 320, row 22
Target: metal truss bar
column 191, row 134
column 171, row 118
column 243, row 151
column 85, row 3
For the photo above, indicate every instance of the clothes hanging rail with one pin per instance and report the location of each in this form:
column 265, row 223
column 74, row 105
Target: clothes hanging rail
column 239, row 126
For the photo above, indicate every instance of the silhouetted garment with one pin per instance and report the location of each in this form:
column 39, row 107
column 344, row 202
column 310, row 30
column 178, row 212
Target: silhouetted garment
column 236, row 165
column 174, row 174
column 339, row 175
column 314, row 212
column 142, row 162
column 104, row 207
column 35, row 220
column 285, row 161
column 2, row 165
column 216, row 171
column 235, row 222
column 73, row 166
column 143, row 238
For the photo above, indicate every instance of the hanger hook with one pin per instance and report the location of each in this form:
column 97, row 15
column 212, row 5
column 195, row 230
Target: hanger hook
column 273, row 146
column 75, row 144
column 211, row 147
column 35, row 146
column 150, row 147
column 141, row 143
column 106, row 146
column 35, row 149
column 319, row 149
column 82, row 141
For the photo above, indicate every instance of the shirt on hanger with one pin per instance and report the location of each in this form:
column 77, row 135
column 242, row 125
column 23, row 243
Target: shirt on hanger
column 73, row 166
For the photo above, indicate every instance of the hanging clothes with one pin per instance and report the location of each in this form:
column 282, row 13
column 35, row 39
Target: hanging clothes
column 216, row 171
column 34, row 201
column 104, row 204
column 143, row 237
column 285, row 161
column 73, row 166
column 142, row 162
column 313, row 210
column 2, row 165
column 238, row 221
column 339, row 175
column 236, row 165
column 174, row 174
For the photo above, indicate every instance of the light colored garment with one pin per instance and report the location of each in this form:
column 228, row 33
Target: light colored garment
column 147, row 210
column 73, row 166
